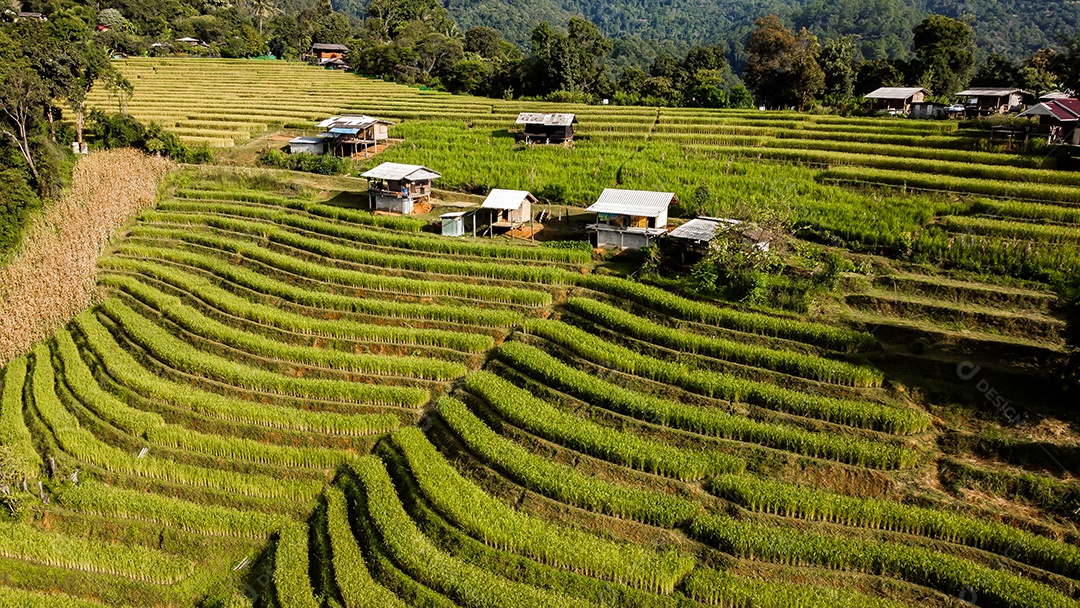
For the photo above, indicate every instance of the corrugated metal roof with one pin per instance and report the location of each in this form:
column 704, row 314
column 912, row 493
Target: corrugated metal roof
column 640, row 203
column 538, row 118
column 506, row 199
column 894, row 92
column 320, row 46
column 990, row 92
column 350, row 120
column 398, row 171
column 1066, row 110
column 1054, row 95
column 455, row 214
column 701, row 228
column 306, row 140
column 343, row 131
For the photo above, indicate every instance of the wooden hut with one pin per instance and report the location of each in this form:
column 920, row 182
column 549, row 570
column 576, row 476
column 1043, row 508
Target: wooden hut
column 547, row 128
column 1061, row 119
column 396, row 187
column 993, row 101
column 349, row 135
column 509, row 209
column 630, row 219
column 895, row 99
column 696, row 236
column 453, row 224
column 328, row 55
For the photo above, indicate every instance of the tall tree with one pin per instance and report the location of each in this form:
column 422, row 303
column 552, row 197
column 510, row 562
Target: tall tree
column 1042, row 71
column 262, row 10
column 996, row 71
column 944, row 54
column 783, row 69
column 23, row 96
column 837, row 61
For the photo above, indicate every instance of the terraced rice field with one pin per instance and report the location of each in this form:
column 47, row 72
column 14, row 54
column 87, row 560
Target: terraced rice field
column 285, row 402
column 901, row 187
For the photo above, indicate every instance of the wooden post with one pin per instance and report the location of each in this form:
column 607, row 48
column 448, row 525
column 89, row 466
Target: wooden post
column 532, row 227
column 474, row 224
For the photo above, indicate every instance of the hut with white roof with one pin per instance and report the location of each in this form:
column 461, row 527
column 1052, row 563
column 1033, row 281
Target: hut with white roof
column 895, row 99
column 397, row 187
column 509, row 209
column 630, row 219
column 352, row 134
column 543, row 128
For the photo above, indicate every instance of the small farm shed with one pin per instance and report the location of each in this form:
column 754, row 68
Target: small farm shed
column 352, row 134
column 993, row 101
column 630, row 219
column 1061, row 118
column 696, row 235
column 453, row 224
column 509, row 209
column 396, row 187
column 896, row 99
column 329, row 55
column 307, row 145
column 547, row 128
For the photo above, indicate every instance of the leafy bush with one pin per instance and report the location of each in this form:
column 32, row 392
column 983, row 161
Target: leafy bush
column 323, row 164
column 16, row 206
column 124, row 131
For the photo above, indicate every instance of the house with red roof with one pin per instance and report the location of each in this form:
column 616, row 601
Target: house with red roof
column 1062, row 116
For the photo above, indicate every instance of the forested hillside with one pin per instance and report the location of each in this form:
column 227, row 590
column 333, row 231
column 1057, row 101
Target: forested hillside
column 1010, row 27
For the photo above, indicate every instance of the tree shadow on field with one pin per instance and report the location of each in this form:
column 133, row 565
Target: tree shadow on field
column 351, row 200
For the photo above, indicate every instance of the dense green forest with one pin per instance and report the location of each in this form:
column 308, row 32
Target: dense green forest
column 1014, row 28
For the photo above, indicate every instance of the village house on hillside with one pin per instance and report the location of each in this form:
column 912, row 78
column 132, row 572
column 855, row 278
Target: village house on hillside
column 509, row 209
column 630, row 219
column 896, row 99
column 547, row 128
column 345, row 136
column 993, row 101
column 398, row 188
column 328, row 55
column 1061, row 118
